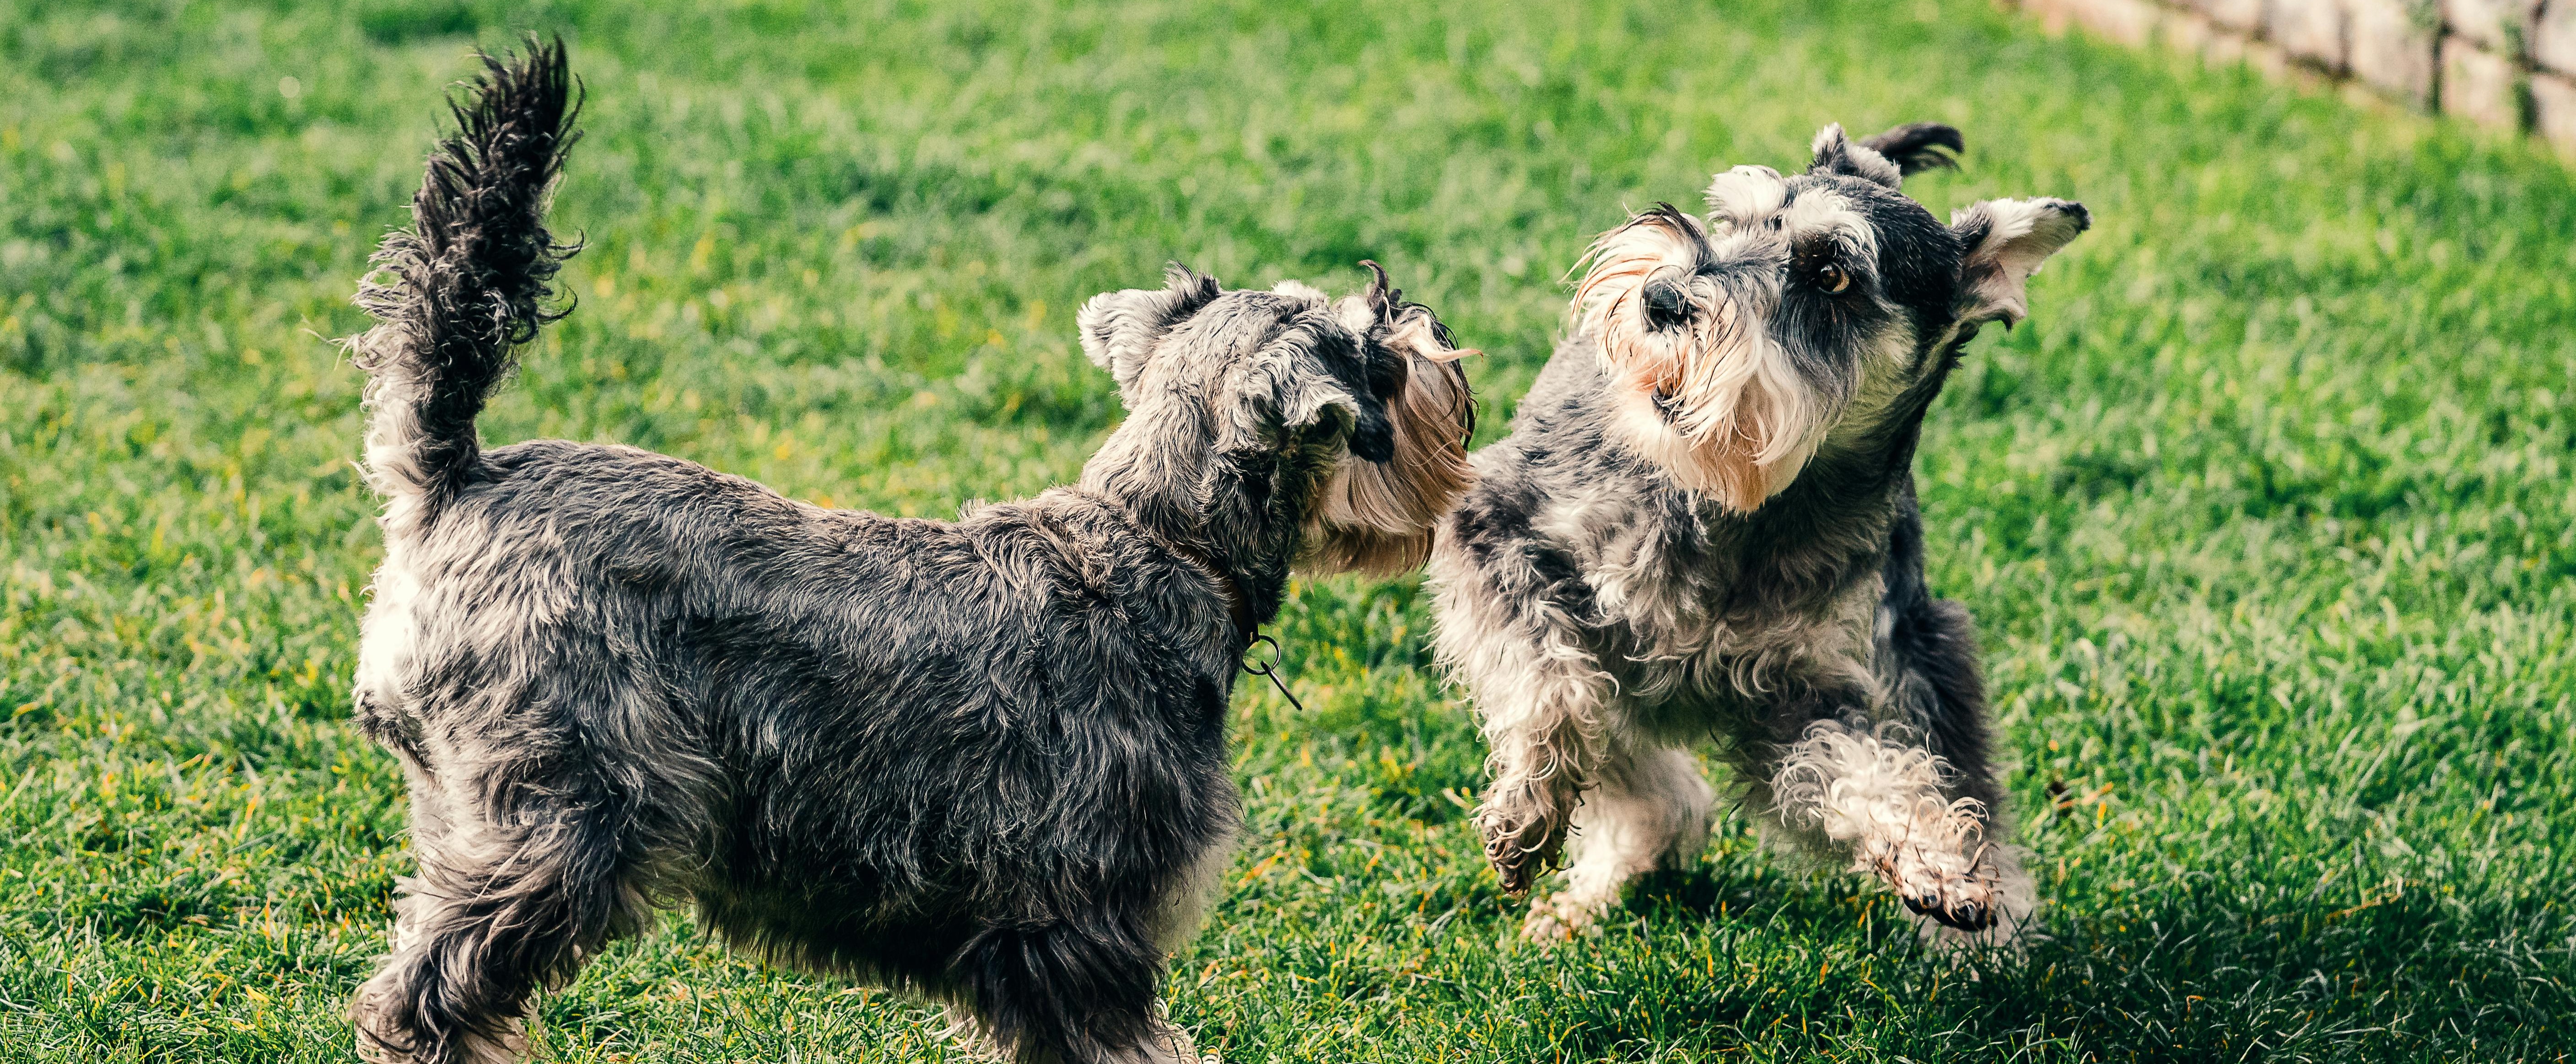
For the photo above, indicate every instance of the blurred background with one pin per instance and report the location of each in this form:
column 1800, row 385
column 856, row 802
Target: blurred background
column 2265, row 514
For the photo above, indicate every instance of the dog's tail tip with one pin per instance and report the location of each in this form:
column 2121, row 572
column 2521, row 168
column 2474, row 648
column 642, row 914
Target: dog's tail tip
column 472, row 278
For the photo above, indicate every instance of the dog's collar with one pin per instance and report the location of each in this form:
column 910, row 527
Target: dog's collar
column 1238, row 606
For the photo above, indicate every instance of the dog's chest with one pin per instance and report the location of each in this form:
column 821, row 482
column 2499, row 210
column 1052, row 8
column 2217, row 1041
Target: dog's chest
column 1692, row 632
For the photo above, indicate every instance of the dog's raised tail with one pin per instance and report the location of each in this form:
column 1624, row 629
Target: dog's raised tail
column 455, row 295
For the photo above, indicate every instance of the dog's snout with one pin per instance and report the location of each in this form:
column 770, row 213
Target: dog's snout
column 1667, row 305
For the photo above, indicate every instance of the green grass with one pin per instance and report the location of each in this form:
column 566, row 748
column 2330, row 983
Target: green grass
column 2266, row 515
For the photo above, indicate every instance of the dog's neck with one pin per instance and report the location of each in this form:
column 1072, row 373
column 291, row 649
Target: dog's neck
column 1863, row 459
column 1844, row 504
column 1238, row 603
column 1150, row 465
column 1232, row 515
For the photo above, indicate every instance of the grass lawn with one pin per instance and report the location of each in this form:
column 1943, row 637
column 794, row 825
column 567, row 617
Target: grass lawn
column 2267, row 516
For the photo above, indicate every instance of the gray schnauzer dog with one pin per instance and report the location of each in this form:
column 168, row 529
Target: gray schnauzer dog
column 982, row 760
column 1704, row 525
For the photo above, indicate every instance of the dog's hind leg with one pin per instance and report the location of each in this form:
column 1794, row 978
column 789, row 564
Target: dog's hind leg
column 1075, row 989
column 494, row 914
column 501, row 907
column 1650, row 809
column 533, row 849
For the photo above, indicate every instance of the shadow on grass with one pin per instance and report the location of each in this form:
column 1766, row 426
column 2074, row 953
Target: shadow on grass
column 2201, row 970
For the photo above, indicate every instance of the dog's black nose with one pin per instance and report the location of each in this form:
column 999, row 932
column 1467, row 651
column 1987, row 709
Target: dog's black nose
column 1667, row 305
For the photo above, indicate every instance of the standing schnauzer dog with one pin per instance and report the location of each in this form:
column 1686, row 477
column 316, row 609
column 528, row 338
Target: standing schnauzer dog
column 982, row 761
column 1704, row 523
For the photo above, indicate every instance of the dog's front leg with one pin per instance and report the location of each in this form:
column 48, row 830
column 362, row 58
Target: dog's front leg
column 1650, row 808
column 1880, row 797
column 1541, row 722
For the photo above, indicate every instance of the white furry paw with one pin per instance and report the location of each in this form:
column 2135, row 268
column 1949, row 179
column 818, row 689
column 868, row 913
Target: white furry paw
column 1967, row 899
column 1561, row 918
column 1173, row 1045
column 2001, row 898
column 1882, row 797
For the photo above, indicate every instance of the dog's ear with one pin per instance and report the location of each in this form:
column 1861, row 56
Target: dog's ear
column 1441, row 409
column 1743, row 195
column 1119, row 329
column 2004, row 241
column 1309, row 374
column 1835, row 153
column 1377, row 516
column 1408, row 329
column 1918, row 146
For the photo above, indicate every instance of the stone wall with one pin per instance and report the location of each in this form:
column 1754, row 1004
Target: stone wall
column 2504, row 64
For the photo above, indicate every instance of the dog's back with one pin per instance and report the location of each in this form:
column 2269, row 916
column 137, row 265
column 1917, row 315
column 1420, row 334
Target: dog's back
column 854, row 740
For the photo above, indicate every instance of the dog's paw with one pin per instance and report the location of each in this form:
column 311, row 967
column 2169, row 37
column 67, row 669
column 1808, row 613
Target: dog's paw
column 1984, row 896
column 1949, row 892
column 1964, row 906
column 1514, row 867
column 1992, row 913
column 1521, row 845
column 1172, row 1045
column 1561, row 918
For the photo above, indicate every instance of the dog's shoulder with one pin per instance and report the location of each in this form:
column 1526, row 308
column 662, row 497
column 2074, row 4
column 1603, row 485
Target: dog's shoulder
column 1560, row 453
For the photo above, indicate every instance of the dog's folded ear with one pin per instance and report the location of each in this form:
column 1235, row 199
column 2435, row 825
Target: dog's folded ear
column 1888, row 158
column 1376, row 516
column 2005, row 241
column 1918, row 146
column 1299, row 382
column 1410, row 329
column 1834, row 153
column 1119, row 329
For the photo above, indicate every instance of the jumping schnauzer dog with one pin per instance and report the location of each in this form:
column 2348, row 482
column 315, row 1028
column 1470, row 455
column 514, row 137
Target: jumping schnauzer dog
column 1704, row 525
column 981, row 760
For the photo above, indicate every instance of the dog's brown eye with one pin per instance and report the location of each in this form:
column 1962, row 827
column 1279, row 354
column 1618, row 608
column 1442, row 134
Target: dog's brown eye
column 1831, row 278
